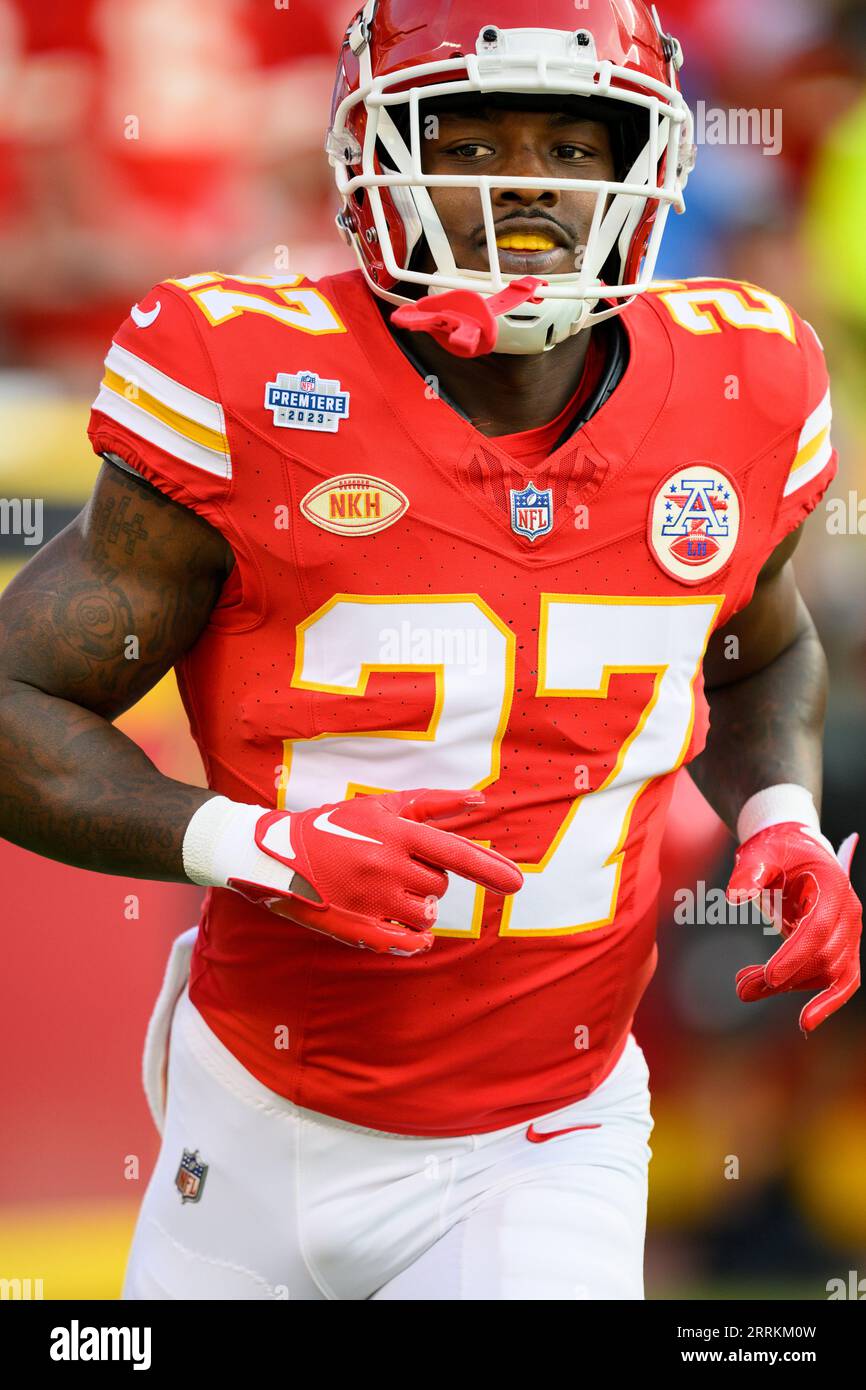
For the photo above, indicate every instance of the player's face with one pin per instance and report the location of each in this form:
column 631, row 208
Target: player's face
column 539, row 231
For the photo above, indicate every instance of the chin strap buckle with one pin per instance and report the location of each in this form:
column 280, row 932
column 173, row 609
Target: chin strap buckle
column 464, row 322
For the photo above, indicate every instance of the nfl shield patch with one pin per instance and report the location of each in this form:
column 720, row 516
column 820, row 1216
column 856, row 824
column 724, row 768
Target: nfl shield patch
column 190, row 1176
column 532, row 512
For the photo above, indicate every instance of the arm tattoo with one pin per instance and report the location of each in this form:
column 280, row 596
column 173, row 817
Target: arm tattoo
column 93, row 619
column 111, row 519
column 134, row 566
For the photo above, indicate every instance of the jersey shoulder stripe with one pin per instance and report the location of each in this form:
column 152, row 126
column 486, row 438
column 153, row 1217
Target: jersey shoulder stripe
column 159, row 409
column 814, row 449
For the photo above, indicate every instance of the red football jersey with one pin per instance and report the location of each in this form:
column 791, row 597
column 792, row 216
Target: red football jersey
column 410, row 609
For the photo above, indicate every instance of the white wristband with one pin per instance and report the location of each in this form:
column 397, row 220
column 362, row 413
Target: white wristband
column 220, row 844
column 787, row 801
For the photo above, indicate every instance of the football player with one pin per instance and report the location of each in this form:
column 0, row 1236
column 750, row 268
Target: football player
column 448, row 553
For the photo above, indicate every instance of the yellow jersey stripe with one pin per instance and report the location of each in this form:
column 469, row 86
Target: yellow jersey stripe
column 808, row 453
column 199, row 434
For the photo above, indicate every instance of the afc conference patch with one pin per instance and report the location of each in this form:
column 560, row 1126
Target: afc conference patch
column 190, row 1177
column 532, row 511
column 304, row 401
column 694, row 522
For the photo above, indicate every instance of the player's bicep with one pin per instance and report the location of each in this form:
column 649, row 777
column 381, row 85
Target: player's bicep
column 766, row 627
column 109, row 605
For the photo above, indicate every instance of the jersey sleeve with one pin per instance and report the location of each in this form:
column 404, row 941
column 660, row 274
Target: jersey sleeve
column 812, row 461
column 158, row 408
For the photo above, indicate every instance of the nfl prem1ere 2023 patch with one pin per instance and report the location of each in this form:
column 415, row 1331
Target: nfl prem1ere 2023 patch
column 355, row 505
column 694, row 522
column 305, row 401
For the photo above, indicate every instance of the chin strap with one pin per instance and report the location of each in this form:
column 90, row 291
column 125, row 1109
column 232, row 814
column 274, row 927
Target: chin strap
column 465, row 322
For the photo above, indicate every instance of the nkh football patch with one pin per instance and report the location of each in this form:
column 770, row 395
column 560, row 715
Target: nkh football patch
column 304, row 401
column 532, row 511
column 355, row 505
column 694, row 522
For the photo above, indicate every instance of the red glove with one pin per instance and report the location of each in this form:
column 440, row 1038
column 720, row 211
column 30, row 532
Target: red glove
column 378, row 869
column 821, row 917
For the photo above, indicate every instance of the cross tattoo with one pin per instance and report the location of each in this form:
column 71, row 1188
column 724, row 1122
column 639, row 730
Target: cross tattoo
column 111, row 525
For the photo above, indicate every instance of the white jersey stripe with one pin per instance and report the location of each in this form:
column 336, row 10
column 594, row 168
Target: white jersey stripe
column 165, row 389
column 814, row 449
column 133, row 417
column 819, row 420
column 799, row 477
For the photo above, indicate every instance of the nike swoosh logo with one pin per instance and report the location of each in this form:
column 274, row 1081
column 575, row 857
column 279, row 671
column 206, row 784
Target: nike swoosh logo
column 323, row 822
column 142, row 319
column 535, row 1138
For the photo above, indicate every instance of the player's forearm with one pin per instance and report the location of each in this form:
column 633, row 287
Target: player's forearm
column 76, row 789
column 767, row 728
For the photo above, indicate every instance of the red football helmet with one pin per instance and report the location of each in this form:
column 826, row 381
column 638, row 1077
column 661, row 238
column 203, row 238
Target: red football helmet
column 399, row 53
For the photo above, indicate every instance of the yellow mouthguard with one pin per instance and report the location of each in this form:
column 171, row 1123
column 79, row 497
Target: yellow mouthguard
column 514, row 241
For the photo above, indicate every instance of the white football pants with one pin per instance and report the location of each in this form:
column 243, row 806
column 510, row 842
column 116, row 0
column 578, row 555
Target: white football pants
column 296, row 1205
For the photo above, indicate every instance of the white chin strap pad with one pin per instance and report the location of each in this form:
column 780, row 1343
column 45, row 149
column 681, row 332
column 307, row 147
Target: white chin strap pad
column 556, row 320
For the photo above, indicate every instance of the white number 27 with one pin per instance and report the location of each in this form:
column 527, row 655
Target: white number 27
column 583, row 641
